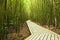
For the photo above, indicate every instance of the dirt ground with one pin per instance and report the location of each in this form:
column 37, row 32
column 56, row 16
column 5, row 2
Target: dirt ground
column 23, row 33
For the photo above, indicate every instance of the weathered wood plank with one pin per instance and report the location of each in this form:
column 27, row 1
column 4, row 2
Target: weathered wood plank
column 46, row 36
column 52, row 37
column 38, row 37
column 56, row 37
column 42, row 37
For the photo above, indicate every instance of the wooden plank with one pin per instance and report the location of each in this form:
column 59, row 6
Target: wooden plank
column 49, row 37
column 42, row 37
column 52, row 37
column 30, row 37
column 39, row 37
column 46, row 36
column 56, row 37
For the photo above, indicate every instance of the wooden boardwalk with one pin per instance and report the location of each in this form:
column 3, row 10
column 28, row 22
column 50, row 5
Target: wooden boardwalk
column 40, row 33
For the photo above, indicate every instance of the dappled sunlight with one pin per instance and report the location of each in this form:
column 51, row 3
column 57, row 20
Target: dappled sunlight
column 27, row 5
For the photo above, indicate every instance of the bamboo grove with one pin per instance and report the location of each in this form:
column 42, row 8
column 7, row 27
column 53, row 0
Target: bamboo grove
column 15, row 12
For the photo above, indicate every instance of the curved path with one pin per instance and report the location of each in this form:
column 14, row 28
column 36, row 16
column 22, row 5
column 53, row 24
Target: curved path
column 40, row 33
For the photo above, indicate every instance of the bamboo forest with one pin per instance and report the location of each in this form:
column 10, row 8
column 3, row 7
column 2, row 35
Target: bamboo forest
column 15, row 13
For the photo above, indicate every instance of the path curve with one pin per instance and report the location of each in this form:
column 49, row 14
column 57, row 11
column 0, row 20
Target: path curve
column 40, row 33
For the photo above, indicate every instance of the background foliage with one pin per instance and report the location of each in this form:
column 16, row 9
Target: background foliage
column 15, row 12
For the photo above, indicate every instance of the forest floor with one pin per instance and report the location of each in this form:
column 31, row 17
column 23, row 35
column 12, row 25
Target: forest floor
column 23, row 33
